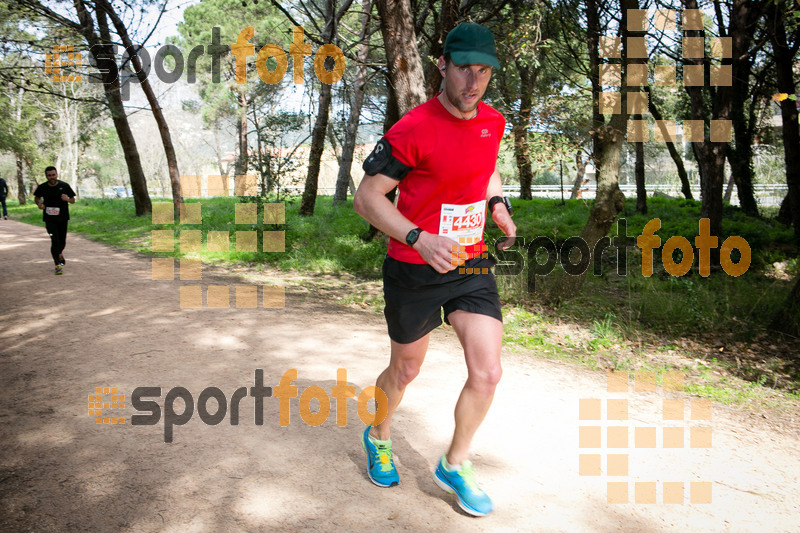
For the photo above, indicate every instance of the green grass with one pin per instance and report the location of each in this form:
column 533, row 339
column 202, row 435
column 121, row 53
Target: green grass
column 728, row 395
column 328, row 242
column 613, row 309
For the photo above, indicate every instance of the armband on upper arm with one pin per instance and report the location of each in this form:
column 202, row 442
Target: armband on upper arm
column 382, row 161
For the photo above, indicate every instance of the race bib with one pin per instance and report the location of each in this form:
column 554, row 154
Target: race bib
column 52, row 210
column 467, row 220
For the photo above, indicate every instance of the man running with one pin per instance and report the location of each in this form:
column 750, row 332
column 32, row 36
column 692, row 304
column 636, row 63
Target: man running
column 54, row 197
column 442, row 156
column 3, row 193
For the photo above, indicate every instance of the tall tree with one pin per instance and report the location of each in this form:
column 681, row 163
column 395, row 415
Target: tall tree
column 638, row 170
column 716, row 104
column 101, row 48
column 344, row 179
column 522, row 54
column 19, row 116
column 226, row 93
column 406, row 77
column 740, row 153
column 785, row 55
column 686, row 188
column 608, row 141
column 446, row 20
column 329, row 34
column 331, row 14
column 16, row 134
column 152, row 100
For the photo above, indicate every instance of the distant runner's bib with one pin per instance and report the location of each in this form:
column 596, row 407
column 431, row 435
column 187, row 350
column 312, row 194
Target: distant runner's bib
column 463, row 221
column 52, row 210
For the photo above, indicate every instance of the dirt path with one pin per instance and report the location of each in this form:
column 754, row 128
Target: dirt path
column 105, row 323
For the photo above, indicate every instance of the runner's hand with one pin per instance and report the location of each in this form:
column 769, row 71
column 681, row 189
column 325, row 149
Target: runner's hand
column 65, row 198
column 505, row 223
column 439, row 252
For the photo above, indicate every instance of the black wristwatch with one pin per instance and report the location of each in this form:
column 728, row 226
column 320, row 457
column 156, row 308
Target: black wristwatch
column 497, row 199
column 413, row 236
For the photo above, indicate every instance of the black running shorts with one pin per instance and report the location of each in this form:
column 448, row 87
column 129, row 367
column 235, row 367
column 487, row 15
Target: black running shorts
column 416, row 294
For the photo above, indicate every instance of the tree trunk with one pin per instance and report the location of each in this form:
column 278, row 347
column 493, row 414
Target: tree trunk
column 787, row 319
column 218, row 154
column 579, row 174
column 402, row 56
column 785, row 211
column 315, row 156
column 609, row 200
column 729, row 190
column 67, row 117
column 345, row 166
column 686, row 187
column 261, row 157
column 522, row 157
column 641, row 192
column 406, row 82
column 447, row 21
column 740, row 156
column 791, row 132
column 21, row 196
column 155, row 107
column 20, row 183
column 141, row 198
column 321, row 123
column 241, row 132
column 711, row 155
column 521, row 121
column 102, row 51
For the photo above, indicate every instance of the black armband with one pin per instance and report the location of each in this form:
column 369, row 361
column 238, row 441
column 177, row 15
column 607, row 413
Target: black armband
column 382, row 161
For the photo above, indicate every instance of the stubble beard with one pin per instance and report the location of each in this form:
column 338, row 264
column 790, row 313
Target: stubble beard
column 462, row 106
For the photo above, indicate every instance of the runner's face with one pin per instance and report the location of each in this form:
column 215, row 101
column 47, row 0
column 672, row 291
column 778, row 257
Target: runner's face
column 465, row 85
column 52, row 176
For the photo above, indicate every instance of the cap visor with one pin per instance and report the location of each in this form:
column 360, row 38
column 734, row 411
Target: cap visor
column 474, row 58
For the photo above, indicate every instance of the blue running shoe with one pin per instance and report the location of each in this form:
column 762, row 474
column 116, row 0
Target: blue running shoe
column 380, row 467
column 462, row 483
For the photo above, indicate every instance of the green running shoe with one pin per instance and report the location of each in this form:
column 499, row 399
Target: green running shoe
column 462, row 483
column 380, row 467
column 58, row 270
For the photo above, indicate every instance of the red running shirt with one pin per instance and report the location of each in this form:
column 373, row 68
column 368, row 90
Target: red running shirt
column 451, row 159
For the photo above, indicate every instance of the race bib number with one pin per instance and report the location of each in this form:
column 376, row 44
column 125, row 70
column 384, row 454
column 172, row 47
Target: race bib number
column 52, row 210
column 467, row 221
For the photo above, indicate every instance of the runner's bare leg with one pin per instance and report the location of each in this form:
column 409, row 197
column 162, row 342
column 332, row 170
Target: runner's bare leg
column 404, row 365
column 481, row 337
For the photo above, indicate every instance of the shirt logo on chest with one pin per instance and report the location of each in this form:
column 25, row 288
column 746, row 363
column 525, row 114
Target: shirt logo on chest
column 485, row 133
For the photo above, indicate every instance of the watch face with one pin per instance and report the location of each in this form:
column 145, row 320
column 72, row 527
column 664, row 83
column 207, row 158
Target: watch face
column 412, row 236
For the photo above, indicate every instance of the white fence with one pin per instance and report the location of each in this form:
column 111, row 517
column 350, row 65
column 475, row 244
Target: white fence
column 766, row 195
